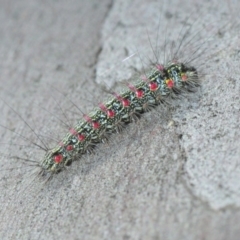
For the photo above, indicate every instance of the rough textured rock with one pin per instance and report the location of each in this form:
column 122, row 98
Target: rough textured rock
column 173, row 175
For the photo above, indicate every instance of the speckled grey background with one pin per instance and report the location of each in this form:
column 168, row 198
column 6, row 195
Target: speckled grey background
column 173, row 175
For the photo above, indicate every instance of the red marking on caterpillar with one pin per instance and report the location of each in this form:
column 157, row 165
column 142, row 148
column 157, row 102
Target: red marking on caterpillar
column 170, row 83
column 58, row 158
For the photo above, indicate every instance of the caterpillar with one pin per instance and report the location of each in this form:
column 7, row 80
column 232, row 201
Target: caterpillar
column 168, row 80
column 163, row 82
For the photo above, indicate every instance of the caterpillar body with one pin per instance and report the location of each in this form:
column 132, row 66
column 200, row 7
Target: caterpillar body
column 154, row 88
column 166, row 80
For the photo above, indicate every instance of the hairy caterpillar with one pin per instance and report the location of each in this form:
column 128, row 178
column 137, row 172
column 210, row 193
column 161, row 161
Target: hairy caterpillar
column 173, row 76
column 155, row 88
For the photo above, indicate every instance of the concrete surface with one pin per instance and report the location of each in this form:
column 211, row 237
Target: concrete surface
column 173, row 175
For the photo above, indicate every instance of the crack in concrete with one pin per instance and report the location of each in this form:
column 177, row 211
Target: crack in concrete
column 96, row 59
